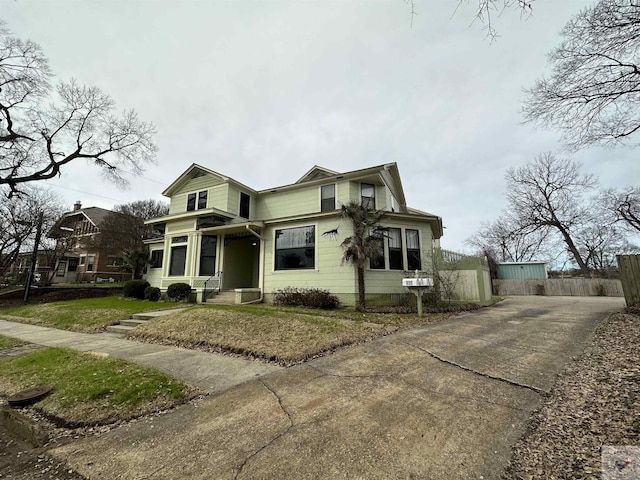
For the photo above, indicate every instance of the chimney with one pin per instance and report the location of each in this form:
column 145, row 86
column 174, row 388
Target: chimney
column 77, row 206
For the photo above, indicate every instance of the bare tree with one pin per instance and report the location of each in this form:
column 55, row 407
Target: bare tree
column 42, row 129
column 624, row 205
column 599, row 244
column 19, row 217
column 506, row 240
column 548, row 193
column 592, row 95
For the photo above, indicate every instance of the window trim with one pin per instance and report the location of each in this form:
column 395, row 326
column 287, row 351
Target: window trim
column 191, row 201
column 240, row 205
column 362, row 197
column 396, row 249
column 419, row 249
column 184, row 265
column 202, row 195
column 215, row 256
column 153, row 262
column 335, row 194
column 315, row 248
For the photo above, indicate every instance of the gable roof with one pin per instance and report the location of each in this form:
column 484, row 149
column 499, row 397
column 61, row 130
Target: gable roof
column 315, row 173
column 386, row 174
column 195, row 171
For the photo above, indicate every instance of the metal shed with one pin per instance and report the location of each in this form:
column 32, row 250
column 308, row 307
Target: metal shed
column 522, row 270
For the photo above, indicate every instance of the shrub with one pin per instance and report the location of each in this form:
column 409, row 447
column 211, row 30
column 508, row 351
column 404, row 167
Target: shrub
column 135, row 289
column 179, row 291
column 152, row 294
column 306, row 297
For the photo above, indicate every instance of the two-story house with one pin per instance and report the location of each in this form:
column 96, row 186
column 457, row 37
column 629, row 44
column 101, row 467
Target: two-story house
column 80, row 253
column 258, row 242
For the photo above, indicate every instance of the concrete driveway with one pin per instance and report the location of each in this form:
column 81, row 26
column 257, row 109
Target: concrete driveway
column 445, row 401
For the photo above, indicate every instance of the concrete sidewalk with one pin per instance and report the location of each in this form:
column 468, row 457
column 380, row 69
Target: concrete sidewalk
column 208, row 371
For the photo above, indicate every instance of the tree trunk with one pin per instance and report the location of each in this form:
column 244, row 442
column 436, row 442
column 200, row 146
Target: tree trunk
column 574, row 251
column 361, row 299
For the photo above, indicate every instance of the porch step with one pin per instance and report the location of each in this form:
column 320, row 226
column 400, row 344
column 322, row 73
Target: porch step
column 224, row 297
column 122, row 329
column 137, row 319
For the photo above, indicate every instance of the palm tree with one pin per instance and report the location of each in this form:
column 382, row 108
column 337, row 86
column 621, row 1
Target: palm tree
column 365, row 243
column 137, row 260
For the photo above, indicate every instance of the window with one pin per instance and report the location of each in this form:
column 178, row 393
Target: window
column 178, row 260
column 91, row 259
column 368, row 194
column 208, row 247
column 245, row 202
column 73, row 265
column 377, row 263
column 191, row 202
column 115, row 261
column 295, row 248
column 156, row 259
column 180, row 239
column 82, row 260
column 202, row 200
column 395, row 249
column 413, row 250
column 62, row 266
column 328, row 197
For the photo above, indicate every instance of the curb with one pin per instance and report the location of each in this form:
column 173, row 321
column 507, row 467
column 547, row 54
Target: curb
column 23, row 427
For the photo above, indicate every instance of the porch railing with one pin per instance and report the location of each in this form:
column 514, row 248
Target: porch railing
column 212, row 284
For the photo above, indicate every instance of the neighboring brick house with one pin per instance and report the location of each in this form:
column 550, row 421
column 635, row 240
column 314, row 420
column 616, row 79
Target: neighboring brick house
column 82, row 257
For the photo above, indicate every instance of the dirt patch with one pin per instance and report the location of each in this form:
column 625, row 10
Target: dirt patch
column 595, row 402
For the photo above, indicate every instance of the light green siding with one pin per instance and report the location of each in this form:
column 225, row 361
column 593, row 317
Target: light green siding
column 180, row 226
column 288, row 203
column 178, row 202
column 328, row 274
column 233, row 200
column 219, row 197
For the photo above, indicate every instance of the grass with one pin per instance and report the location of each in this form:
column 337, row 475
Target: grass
column 87, row 315
column 283, row 335
column 9, row 342
column 90, row 390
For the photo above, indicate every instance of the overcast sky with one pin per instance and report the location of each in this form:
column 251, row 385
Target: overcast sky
column 263, row 90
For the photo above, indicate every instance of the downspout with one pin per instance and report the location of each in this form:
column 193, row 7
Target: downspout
column 260, row 266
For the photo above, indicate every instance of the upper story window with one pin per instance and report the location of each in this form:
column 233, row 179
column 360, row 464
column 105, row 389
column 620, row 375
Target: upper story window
column 245, row 203
column 368, row 195
column 328, row 197
column 202, row 200
column 295, row 248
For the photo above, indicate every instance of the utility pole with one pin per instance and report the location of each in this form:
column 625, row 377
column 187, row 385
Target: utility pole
column 34, row 257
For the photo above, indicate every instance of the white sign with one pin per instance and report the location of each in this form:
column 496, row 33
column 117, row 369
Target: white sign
column 417, row 282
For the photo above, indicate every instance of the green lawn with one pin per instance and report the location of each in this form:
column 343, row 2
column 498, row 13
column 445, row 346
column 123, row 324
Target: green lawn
column 88, row 389
column 9, row 342
column 284, row 335
column 86, row 315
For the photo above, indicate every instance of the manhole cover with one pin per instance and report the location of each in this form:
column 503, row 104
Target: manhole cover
column 29, row 396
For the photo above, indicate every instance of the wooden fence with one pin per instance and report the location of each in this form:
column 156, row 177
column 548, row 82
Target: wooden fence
column 582, row 287
column 629, row 266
